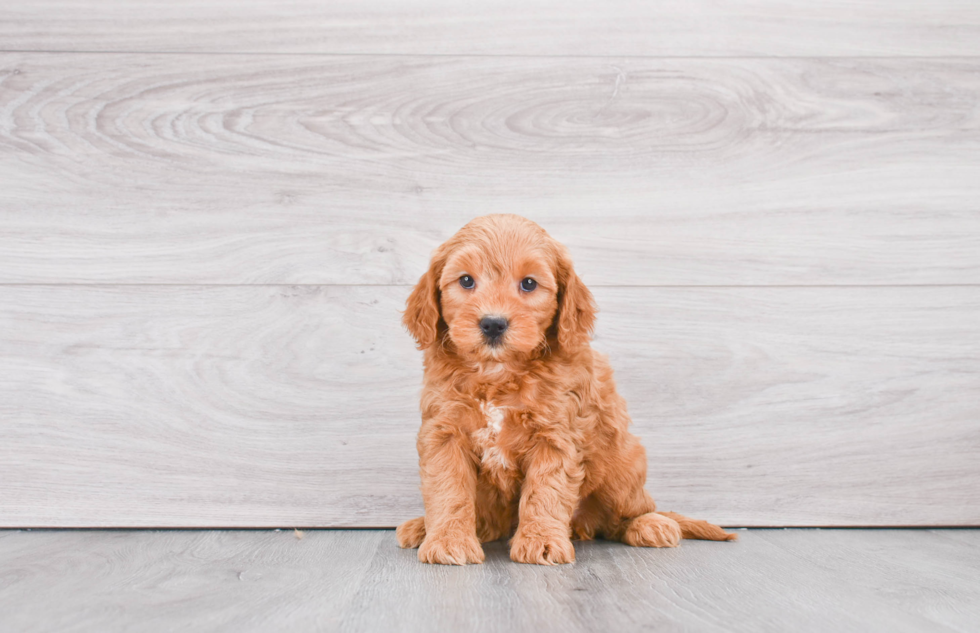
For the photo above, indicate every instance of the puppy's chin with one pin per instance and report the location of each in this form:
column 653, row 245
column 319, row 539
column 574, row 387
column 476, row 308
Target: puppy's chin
column 481, row 351
column 496, row 352
column 478, row 350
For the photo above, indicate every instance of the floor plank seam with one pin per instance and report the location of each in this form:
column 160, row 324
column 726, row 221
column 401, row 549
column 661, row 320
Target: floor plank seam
column 499, row 56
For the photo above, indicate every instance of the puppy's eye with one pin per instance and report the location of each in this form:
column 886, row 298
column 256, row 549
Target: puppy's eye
column 528, row 284
column 466, row 281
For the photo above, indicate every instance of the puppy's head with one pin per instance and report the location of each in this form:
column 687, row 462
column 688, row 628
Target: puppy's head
column 500, row 289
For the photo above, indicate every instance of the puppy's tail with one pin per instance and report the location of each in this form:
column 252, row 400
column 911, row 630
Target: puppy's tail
column 693, row 528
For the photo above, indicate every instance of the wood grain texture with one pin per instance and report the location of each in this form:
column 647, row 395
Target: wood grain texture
column 268, row 190
column 498, row 27
column 300, row 169
column 279, row 405
column 770, row 580
column 934, row 572
column 191, row 581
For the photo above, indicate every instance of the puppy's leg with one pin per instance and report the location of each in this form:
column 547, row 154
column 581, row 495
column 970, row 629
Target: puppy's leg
column 411, row 533
column 632, row 516
column 665, row 529
column 552, row 479
column 448, row 471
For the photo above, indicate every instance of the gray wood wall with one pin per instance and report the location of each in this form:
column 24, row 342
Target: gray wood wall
column 211, row 214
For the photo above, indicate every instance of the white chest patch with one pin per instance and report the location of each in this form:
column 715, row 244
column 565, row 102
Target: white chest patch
column 493, row 369
column 493, row 415
column 493, row 455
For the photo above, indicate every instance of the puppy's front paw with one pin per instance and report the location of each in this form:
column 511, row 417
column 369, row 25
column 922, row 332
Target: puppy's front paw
column 652, row 530
column 554, row 549
column 451, row 549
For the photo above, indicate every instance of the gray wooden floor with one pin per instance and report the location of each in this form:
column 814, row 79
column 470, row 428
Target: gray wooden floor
column 770, row 580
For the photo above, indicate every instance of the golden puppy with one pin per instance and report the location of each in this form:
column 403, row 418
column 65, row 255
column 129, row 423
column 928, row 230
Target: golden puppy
column 520, row 416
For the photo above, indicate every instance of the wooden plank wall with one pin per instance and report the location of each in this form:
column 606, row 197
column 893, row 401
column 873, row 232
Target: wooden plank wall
column 211, row 214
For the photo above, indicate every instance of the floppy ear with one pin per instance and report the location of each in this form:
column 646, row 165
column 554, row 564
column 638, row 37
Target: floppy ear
column 422, row 315
column 576, row 307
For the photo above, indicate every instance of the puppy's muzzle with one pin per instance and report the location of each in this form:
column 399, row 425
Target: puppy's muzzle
column 493, row 328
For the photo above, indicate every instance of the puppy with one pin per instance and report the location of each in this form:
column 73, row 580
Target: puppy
column 521, row 422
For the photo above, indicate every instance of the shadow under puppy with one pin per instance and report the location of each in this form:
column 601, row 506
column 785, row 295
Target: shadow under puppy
column 521, row 421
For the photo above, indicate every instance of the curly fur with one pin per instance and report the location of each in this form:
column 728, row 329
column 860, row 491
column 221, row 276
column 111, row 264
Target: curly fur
column 527, row 437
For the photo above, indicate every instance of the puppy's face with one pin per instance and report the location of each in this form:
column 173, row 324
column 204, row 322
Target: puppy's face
column 501, row 288
column 499, row 296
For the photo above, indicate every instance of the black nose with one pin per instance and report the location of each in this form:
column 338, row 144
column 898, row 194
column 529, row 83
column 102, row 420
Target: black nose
column 493, row 326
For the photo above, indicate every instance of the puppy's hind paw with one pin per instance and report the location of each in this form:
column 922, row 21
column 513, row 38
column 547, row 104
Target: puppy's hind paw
column 652, row 530
column 411, row 533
